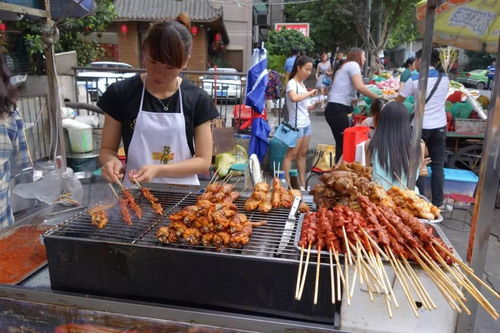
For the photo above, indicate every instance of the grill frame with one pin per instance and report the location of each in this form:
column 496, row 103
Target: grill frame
column 250, row 280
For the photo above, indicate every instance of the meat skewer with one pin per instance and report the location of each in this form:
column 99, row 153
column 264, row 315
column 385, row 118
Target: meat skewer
column 131, row 202
column 124, row 211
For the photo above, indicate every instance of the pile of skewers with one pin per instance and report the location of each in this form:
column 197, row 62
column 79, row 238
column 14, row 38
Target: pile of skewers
column 99, row 216
column 344, row 187
column 212, row 221
column 265, row 198
column 365, row 237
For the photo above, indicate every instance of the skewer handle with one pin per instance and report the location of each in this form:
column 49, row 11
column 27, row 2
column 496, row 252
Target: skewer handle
column 113, row 190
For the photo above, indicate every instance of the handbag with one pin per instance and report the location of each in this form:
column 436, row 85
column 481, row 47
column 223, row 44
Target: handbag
column 287, row 133
column 327, row 81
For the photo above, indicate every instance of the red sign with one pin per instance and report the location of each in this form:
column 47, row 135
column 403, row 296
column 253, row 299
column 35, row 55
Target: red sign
column 301, row 27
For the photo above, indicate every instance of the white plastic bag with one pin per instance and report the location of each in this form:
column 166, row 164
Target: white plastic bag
column 51, row 187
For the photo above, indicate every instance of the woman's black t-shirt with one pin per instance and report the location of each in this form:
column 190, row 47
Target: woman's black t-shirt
column 122, row 100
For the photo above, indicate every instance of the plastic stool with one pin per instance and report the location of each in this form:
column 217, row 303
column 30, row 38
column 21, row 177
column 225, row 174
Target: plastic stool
column 465, row 199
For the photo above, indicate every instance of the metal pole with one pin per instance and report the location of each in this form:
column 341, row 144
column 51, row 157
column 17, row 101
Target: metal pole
column 422, row 92
column 482, row 216
column 49, row 37
column 367, row 31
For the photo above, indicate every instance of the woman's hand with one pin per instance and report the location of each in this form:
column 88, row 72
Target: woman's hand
column 113, row 170
column 144, row 174
column 312, row 92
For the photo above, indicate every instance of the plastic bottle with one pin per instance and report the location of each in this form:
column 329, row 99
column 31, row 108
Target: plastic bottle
column 294, row 179
column 283, row 182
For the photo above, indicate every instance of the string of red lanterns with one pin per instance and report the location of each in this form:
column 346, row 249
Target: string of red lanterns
column 194, row 30
column 3, row 27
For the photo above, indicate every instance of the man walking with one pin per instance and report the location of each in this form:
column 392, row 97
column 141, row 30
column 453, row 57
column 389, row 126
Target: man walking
column 434, row 125
column 491, row 74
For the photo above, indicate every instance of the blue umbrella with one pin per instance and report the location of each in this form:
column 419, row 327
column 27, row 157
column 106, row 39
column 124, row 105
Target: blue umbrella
column 71, row 8
column 255, row 98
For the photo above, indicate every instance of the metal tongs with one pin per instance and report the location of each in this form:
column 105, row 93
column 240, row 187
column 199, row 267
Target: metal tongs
column 290, row 223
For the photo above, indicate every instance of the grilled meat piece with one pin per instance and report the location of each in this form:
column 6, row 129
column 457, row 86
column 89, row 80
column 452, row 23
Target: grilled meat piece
column 98, row 217
column 146, row 192
column 261, row 187
column 191, row 236
column 127, row 195
column 124, row 211
column 157, row 208
column 166, row 235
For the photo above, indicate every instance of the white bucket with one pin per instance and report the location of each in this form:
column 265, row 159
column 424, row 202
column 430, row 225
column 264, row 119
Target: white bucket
column 80, row 136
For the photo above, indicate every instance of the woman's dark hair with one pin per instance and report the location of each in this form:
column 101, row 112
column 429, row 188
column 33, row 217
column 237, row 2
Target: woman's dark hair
column 435, row 61
column 376, row 107
column 392, row 140
column 300, row 61
column 8, row 93
column 355, row 54
column 410, row 61
column 169, row 42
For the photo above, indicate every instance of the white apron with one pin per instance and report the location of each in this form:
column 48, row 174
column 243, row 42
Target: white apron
column 159, row 138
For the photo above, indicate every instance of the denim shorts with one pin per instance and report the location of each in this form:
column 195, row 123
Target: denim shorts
column 305, row 131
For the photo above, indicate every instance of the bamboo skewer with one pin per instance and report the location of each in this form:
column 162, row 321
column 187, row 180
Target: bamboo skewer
column 427, row 297
column 346, row 240
column 478, row 296
column 119, row 183
column 135, row 181
column 458, row 261
column 389, row 285
column 332, row 280
column 297, row 287
column 442, row 274
column 462, row 279
column 302, row 283
column 447, row 294
column 316, row 282
column 413, row 284
column 375, row 245
column 340, row 275
column 114, row 192
column 399, row 275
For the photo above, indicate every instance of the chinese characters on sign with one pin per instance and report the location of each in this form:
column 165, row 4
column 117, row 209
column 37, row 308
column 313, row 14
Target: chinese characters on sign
column 476, row 20
column 301, row 27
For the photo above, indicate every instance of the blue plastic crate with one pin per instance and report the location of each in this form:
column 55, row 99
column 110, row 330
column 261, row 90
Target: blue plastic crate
column 455, row 181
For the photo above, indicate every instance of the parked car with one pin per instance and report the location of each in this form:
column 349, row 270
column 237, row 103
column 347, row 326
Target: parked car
column 477, row 78
column 96, row 82
column 225, row 84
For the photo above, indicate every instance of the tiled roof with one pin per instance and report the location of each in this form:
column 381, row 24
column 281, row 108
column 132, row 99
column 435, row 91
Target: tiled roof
column 152, row 10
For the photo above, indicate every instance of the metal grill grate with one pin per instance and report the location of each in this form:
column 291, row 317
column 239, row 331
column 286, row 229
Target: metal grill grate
column 79, row 226
column 264, row 242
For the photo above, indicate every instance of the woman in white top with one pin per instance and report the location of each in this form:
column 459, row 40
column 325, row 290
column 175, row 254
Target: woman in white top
column 298, row 113
column 324, row 70
column 346, row 83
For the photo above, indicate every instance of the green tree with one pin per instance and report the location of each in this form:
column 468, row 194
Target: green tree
column 281, row 42
column 347, row 23
column 73, row 33
column 328, row 30
column 479, row 60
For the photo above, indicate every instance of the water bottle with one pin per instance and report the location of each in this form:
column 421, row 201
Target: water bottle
column 281, row 176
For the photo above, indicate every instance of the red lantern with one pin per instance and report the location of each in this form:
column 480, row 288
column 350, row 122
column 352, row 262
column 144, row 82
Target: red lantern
column 124, row 29
column 194, row 30
column 3, row 27
column 218, row 37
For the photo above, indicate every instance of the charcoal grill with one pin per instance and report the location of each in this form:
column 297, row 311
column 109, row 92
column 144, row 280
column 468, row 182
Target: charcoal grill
column 129, row 262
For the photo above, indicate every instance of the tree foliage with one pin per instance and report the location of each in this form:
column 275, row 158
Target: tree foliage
column 479, row 60
column 281, row 42
column 344, row 23
column 328, row 30
column 73, row 33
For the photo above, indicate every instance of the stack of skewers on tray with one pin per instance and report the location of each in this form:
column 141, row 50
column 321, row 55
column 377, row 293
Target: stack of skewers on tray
column 265, row 197
column 358, row 220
